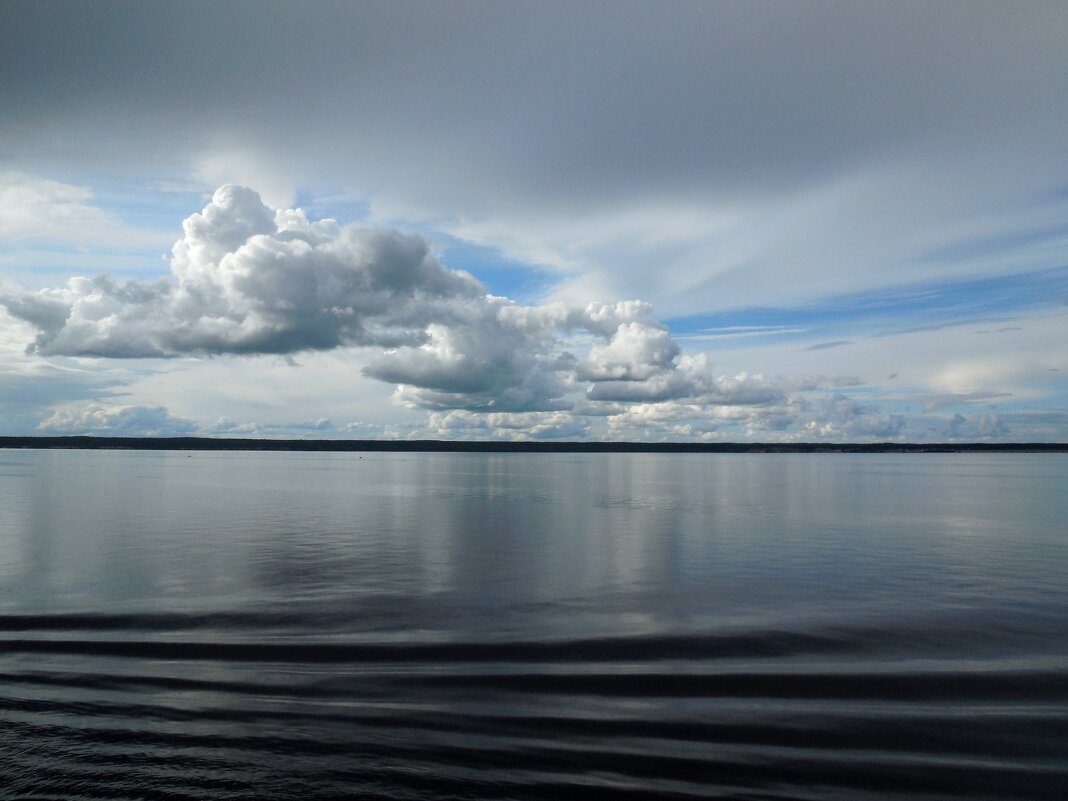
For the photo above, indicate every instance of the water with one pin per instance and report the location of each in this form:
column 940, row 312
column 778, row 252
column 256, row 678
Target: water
column 533, row 626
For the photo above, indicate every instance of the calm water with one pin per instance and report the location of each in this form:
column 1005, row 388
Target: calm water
column 533, row 626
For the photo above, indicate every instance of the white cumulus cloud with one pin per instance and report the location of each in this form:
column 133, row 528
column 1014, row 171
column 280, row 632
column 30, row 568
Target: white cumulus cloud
column 117, row 421
column 249, row 279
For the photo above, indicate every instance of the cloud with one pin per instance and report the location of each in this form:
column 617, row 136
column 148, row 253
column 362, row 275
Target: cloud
column 27, row 394
column 30, row 387
column 491, row 360
column 983, row 426
column 225, row 427
column 320, row 424
column 746, row 97
column 838, row 343
column 508, row 357
column 247, row 279
column 116, row 421
column 841, row 417
column 35, row 209
column 460, row 424
column 717, row 156
column 635, row 352
column 784, row 418
column 720, row 157
column 691, row 377
column 252, row 283
column 949, row 400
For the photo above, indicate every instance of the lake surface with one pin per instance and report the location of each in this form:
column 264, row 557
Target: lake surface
column 229, row 625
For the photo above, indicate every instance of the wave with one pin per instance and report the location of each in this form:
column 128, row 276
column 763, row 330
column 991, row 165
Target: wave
column 832, row 713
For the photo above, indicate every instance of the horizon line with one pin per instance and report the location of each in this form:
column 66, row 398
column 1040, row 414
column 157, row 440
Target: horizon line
column 97, row 442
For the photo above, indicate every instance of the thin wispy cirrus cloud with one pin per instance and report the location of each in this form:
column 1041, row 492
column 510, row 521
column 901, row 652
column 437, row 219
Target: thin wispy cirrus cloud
column 647, row 221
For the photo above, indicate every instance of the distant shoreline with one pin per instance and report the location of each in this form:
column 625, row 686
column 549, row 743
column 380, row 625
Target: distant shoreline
column 455, row 446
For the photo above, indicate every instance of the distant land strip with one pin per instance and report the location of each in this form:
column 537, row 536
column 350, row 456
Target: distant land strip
column 433, row 445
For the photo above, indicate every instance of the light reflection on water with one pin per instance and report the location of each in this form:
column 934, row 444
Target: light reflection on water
column 425, row 625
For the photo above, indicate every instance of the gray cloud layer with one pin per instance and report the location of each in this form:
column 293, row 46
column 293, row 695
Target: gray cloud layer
column 751, row 95
column 758, row 153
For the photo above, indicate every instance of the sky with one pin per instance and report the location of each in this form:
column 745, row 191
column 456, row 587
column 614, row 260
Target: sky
column 648, row 221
